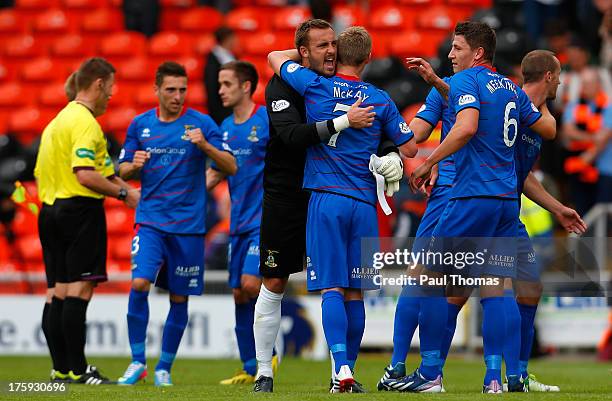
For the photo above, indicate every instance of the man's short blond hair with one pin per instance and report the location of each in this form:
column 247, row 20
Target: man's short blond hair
column 354, row 46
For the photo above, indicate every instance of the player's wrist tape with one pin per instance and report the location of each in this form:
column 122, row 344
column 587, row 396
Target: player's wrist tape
column 325, row 130
column 380, row 185
column 341, row 123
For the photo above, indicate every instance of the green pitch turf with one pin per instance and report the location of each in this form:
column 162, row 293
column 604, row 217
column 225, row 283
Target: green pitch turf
column 307, row 380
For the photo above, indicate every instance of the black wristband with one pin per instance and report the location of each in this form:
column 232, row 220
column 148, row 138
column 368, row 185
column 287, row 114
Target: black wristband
column 123, row 193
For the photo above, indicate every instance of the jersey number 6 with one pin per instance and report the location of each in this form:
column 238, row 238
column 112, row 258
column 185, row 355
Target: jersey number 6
column 510, row 122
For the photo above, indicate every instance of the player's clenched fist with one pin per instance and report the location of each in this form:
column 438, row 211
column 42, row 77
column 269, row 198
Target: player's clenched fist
column 196, row 137
column 140, row 158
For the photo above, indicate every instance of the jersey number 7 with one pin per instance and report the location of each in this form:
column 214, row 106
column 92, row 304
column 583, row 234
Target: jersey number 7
column 334, row 138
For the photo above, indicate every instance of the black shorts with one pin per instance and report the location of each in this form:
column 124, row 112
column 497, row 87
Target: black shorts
column 48, row 234
column 282, row 246
column 82, row 239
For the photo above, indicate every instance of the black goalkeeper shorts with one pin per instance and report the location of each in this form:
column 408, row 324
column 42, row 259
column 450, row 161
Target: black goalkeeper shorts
column 48, row 234
column 282, row 246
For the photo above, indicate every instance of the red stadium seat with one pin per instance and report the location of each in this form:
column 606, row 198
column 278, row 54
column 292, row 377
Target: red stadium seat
column 194, row 67
column 11, row 23
column 102, row 21
column 259, row 97
column 24, row 223
column 178, row 3
column 73, row 46
column 123, row 95
column 145, row 96
column 409, row 112
column 23, row 47
column 123, row 45
column 201, row 19
column 84, row 4
column 203, row 44
column 119, row 221
column 8, row 72
column 136, row 69
column 263, row 69
column 117, row 120
column 418, row 3
column 121, row 247
column 471, row 3
column 13, row 95
column 349, row 15
column 288, row 18
column 196, row 95
column 416, row 44
column 53, row 95
column 41, row 70
column 30, row 249
column 4, row 119
column 380, row 44
column 439, row 17
column 52, row 22
column 392, row 18
column 36, row 4
column 29, row 122
column 248, row 19
column 260, row 44
column 170, row 44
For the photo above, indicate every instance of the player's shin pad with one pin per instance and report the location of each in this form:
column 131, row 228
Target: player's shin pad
column 380, row 185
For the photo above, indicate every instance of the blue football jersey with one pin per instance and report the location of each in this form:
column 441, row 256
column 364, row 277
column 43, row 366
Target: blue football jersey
column 526, row 153
column 485, row 165
column 248, row 143
column 341, row 165
column 436, row 109
column 173, row 192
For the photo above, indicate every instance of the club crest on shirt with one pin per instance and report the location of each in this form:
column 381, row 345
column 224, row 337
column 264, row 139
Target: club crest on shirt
column 188, row 127
column 253, row 134
column 270, row 262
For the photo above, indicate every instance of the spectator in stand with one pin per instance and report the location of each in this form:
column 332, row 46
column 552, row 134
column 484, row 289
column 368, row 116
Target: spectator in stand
column 141, row 16
column 582, row 129
column 577, row 61
column 605, row 31
column 222, row 53
column 537, row 14
column 604, row 159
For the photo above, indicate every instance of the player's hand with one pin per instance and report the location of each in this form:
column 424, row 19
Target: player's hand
column 570, row 220
column 140, row 158
column 196, row 137
column 423, row 68
column 420, row 175
column 429, row 184
column 360, row 117
column 132, row 199
column 391, row 187
column 391, row 167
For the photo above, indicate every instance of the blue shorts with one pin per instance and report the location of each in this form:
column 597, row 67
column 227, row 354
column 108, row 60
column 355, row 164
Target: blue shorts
column 528, row 268
column 172, row 261
column 335, row 227
column 486, row 225
column 243, row 256
column 439, row 198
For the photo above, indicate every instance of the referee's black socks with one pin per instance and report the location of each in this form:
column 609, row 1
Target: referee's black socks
column 73, row 321
column 55, row 334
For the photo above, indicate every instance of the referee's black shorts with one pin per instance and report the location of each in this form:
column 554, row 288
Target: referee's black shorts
column 282, row 247
column 48, row 234
column 82, row 239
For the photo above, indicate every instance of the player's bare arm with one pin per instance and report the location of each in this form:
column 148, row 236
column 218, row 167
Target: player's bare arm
column 93, row 180
column 213, row 178
column 464, row 129
column 277, row 58
column 546, row 126
column 567, row 217
column 225, row 161
column 425, row 70
column 130, row 170
column 421, row 129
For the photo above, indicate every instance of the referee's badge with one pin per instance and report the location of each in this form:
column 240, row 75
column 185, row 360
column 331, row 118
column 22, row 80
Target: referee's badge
column 188, row 127
column 270, row 262
column 253, row 135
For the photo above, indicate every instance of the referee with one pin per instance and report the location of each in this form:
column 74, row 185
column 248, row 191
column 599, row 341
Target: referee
column 44, row 172
column 83, row 174
column 285, row 204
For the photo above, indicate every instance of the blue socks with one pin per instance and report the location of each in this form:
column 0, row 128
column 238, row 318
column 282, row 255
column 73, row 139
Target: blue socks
column 245, row 315
column 528, row 313
column 493, row 334
column 405, row 324
column 335, row 326
column 432, row 329
column 355, row 314
column 173, row 332
column 137, row 320
column 512, row 342
column 451, row 325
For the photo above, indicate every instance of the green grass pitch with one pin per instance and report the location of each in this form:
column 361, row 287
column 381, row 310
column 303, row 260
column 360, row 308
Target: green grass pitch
column 196, row 379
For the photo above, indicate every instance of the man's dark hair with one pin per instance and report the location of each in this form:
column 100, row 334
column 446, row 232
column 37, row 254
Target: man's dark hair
column 169, row 69
column 536, row 63
column 478, row 34
column 244, row 70
column 301, row 33
column 92, row 69
column 222, row 33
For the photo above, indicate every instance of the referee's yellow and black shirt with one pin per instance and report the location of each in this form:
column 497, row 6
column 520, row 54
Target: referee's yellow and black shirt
column 78, row 144
column 45, row 169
